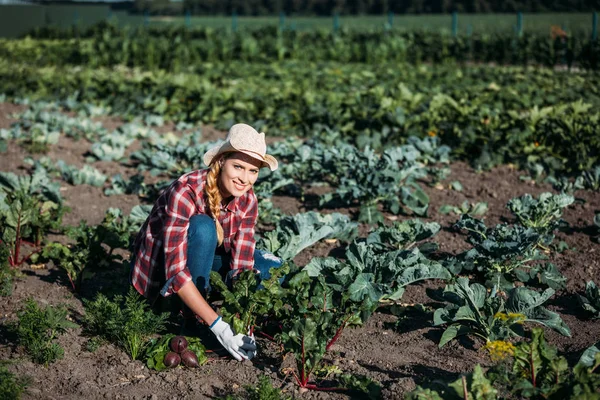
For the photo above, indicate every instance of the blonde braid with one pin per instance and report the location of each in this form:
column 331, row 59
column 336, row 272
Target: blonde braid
column 214, row 196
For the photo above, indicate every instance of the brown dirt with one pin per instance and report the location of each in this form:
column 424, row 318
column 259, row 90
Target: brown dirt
column 398, row 357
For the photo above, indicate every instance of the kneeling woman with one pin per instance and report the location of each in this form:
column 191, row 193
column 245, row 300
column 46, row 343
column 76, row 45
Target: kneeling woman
column 205, row 221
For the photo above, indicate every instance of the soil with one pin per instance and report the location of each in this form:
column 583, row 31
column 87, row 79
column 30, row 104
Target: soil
column 397, row 353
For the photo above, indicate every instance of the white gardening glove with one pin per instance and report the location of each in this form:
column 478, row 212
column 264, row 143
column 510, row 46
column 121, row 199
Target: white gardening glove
column 237, row 345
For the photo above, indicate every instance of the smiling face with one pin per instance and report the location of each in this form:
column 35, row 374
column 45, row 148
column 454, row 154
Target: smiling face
column 238, row 173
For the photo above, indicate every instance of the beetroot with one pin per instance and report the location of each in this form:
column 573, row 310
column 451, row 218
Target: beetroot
column 189, row 359
column 172, row 360
column 179, row 344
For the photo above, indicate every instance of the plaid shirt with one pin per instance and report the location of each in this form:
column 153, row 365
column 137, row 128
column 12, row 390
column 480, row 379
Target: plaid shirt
column 160, row 247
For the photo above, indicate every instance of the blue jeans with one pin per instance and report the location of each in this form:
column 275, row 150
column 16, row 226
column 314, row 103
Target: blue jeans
column 203, row 257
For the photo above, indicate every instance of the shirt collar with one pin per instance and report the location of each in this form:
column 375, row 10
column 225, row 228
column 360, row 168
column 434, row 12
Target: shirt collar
column 232, row 206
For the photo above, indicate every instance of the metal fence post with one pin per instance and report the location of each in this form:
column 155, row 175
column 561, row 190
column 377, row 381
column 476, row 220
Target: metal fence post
column 454, row 24
column 282, row 20
column 234, row 24
column 336, row 21
column 391, row 19
column 520, row 24
column 188, row 18
column 594, row 25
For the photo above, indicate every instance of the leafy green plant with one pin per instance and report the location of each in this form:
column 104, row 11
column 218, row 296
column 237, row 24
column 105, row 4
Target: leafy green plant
column 476, row 209
column 87, row 175
column 30, row 206
column 388, row 179
column 93, row 248
column 126, row 321
column 534, row 371
column 474, row 386
column 404, row 235
column 331, row 295
column 497, row 252
column 542, row 214
column 39, row 327
column 295, row 233
column 491, row 316
column 264, row 390
column 11, row 386
column 6, row 273
column 591, row 300
column 249, row 298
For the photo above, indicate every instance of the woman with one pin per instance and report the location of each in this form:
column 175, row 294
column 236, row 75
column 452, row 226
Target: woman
column 205, row 221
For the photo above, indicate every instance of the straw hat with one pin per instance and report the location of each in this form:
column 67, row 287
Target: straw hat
column 247, row 140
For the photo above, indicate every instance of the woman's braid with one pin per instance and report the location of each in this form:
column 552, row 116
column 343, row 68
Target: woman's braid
column 214, row 196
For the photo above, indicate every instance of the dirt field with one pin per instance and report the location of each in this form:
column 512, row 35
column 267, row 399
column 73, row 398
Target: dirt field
column 398, row 357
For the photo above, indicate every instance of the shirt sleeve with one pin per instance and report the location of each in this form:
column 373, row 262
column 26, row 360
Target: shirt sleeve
column 242, row 249
column 178, row 210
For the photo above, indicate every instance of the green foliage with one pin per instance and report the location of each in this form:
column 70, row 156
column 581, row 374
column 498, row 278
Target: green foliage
column 250, row 298
column 172, row 160
column 498, row 252
column 295, row 233
column 476, row 209
column 158, row 348
column 534, row 371
column 491, row 316
column 11, row 386
column 369, row 179
column 126, row 321
column 6, row 273
column 264, row 390
column 94, row 246
column 360, row 385
column 30, row 206
column 87, row 175
column 404, row 235
column 474, row 386
column 39, row 327
column 330, row 295
column 591, row 301
column 486, row 115
column 474, row 311
column 543, row 214
column 538, row 366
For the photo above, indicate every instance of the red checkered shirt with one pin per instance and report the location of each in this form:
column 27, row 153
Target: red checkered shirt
column 160, row 248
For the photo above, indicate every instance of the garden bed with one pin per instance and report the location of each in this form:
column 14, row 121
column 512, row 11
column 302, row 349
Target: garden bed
column 398, row 354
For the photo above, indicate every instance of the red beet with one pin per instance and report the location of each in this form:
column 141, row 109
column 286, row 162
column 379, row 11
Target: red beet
column 179, row 344
column 172, row 360
column 189, row 359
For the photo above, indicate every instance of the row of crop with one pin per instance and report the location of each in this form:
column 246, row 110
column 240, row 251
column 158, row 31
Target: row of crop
column 391, row 179
column 331, row 295
column 511, row 115
column 178, row 50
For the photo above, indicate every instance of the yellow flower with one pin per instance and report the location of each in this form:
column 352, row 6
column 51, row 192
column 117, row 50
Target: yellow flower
column 510, row 318
column 431, row 133
column 500, row 350
column 536, row 144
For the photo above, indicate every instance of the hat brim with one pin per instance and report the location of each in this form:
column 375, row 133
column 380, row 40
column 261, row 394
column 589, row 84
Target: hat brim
column 267, row 162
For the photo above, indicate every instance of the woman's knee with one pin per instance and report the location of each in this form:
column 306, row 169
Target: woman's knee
column 202, row 229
